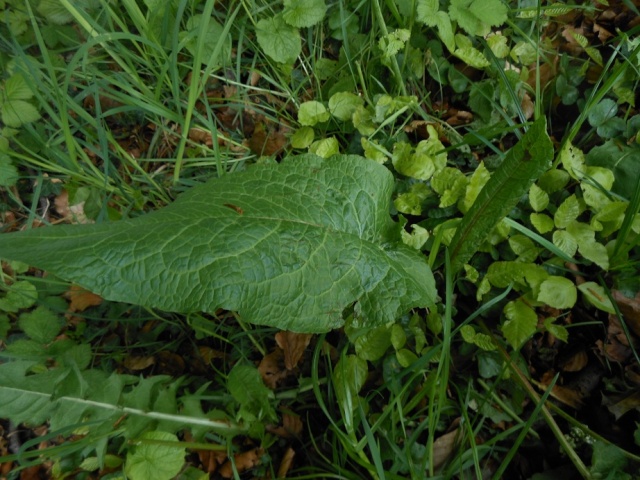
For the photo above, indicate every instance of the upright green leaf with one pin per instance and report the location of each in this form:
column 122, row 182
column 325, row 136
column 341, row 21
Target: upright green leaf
column 524, row 163
column 288, row 245
column 278, row 39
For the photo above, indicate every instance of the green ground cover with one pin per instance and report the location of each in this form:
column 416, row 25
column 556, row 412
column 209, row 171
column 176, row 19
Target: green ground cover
column 319, row 239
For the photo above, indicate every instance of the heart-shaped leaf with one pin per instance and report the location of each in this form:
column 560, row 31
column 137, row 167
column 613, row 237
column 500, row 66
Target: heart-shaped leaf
column 288, row 245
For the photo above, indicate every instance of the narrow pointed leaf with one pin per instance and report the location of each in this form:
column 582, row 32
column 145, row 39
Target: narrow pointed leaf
column 288, row 245
column 524, row 163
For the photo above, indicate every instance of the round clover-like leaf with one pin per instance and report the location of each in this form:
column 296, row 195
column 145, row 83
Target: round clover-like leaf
column 153, row 460
column 278, row 39
column 304, row 13
column 558, row 292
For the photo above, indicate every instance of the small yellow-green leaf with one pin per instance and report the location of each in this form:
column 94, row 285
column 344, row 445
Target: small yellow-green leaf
column 565, row 242
column 498, row 45
column 312, row 112
column 538, row 198
column 472, row 57
column 16, row 113
column 558, row 292
column 572, row 160
column 553, row 180
column 567, row 212
column 398, row 336
column 325, row 148
column 542, row 222
column 524, row 247
column 558, row 331
column 521, row 323
column 477, row 182
column 343, row 104
column 303, row 137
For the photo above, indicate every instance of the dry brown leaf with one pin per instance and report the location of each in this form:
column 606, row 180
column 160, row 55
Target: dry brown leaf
column 267, row 140
column 630, row 309
column 618, row 405
column 293, row 345
column 271, row 368
column 81, row 299
column 208, row 354
column 170, row 363
column 527, row 106
column 200, row 135
column 244, row 461
column 70, row 213
column 285, row 464
column 575, row 362
column 443, row 447
column 138, row 363
column 291, row 426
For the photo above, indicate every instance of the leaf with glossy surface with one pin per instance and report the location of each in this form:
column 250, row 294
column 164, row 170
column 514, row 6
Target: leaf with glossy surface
column 524, row 163
column 287, row 245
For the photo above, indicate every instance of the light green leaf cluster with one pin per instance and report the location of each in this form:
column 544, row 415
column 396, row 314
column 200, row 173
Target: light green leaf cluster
column 14, row 107
column 392, row 43
column 411, row 202
column 422, row 163
column 480, row 340
column 312, row 112
column 298, row 242
column 476, row 183
column 429, row 14
column 476, row 17
column 451, row 184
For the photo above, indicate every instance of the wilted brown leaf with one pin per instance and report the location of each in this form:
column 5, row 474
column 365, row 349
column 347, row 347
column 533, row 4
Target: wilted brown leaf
column 285, row 464
column 630, row 309
column 81, row 299
column 267, row 140
column 136, row 363
column 443, row 447
column 575, row 362
column 70, row 213
column 291, row 426
column 272, row 369
column 293, row 345
column 618, row 405
column 244, row 461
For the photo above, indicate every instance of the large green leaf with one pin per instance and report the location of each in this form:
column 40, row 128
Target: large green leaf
column 524, row 163
column 288, row 245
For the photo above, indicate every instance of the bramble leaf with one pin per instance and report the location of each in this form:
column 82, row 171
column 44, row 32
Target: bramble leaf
column 289, row 245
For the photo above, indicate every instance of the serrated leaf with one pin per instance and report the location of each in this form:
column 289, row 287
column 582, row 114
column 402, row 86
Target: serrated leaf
column 343, row 104
column 154, row 460
column 472, row 57
column 54, row 12
column 477, row 17
column 521, row 323
column 16, row 113
column 558, row 331
column 543, row 223
column 304, row 13
column 392, row 43
column 565, row 242
column 215, row 41
column 16, row 88
column 247, row 388
column 476, row 183
column 427, row 10
column 558, row 292
column 522, row 165
column 289, row 245
column 567, row 212
column 20, row 294
column 572, row 160
column 538, row 198
column 373, row 344
column 8, row 172
column 278, row 39
column 312, row 112
column 41, row 324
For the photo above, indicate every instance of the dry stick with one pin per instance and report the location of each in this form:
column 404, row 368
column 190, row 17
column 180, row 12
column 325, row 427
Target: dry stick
column 571, row 453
